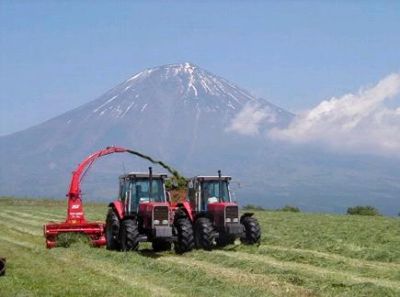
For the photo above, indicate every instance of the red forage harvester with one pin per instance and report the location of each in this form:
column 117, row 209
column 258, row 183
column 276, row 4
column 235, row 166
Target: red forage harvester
column 76, row 222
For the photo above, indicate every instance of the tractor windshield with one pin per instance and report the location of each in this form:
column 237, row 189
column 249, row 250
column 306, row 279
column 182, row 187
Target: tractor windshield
column 140, row 191
column 215, row 191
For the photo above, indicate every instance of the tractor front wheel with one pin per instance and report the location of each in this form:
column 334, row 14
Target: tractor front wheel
column 129, row 235
column 252, row 231
column 204, row 234
column 112, row 230
column 185, row 241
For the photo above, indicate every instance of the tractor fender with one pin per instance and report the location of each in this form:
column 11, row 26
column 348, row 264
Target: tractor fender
column 246, row 214
column 118, row 207
column 184, row 210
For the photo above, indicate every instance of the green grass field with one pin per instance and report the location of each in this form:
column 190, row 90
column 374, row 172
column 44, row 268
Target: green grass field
column 300, row 255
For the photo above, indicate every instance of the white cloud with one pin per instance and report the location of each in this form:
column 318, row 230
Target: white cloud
column 360, row 122
column 250, row 118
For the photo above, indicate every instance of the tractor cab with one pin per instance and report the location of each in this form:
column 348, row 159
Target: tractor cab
column 206, row 190
column 210, row 196
column 137, row 189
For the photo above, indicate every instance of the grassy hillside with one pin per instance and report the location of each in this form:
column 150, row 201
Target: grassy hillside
column 300, row 255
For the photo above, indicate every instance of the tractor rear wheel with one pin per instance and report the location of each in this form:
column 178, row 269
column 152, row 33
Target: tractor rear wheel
column 112, row 231
column 252, row 231
column 204, row 234
column 185, row 241
column 129, row 235
column 160, row 245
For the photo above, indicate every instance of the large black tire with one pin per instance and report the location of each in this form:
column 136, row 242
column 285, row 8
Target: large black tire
column 204, row 234
column 112, row 231
column 129, row 235
column 252, row 231
column 160, row 245
column 185, row 236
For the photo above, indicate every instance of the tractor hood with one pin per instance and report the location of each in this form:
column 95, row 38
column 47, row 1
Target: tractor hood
column 221, row 211
column 154, row 213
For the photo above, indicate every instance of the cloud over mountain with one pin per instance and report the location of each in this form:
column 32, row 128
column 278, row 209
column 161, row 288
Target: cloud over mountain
column 250, row 118
column 356, row 122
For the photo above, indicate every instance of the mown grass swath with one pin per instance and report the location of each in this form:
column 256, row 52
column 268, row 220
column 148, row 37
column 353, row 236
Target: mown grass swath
column 300, row 255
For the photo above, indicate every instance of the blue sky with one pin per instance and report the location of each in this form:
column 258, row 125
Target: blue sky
column 57, row 55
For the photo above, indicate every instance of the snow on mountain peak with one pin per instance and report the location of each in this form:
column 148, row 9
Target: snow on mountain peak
column 183, row 85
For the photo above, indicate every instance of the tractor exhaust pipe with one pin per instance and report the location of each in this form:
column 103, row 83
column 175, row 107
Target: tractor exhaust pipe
column 219, row 185
column 2, row 266
column 150, row 182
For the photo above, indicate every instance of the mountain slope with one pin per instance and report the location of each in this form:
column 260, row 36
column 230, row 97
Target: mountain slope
column 171, row 112
column 183, row 114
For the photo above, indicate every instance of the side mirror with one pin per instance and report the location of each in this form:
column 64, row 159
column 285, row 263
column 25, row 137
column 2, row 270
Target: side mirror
column 168, row 197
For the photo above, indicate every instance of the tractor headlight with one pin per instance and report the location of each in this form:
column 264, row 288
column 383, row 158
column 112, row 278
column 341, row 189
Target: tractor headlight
column 164, row 222
column 228, row 220
column 156, row 222
column 235, row 220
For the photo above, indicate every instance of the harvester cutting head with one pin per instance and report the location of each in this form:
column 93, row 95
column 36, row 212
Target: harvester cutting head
column 75, row 224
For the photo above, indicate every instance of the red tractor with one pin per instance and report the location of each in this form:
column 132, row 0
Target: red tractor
column 143, row 213
column 214, row 216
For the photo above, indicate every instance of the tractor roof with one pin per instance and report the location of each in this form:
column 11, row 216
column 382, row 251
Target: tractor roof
column 142, row 175
column 211, row 177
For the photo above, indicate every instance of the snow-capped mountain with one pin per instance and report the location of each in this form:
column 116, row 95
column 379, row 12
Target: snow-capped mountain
column 178, row 113
column 175, row 90
column 197, row 122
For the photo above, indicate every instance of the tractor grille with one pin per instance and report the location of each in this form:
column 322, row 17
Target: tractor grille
column 231, row 212
column 160, row 213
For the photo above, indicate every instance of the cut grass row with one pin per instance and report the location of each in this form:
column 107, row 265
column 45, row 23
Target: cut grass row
column 366, row 238
column 140, row 273
column 272, row 269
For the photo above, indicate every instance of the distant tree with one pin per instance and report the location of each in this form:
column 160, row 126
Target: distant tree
column 289, row 208
column 253, row 207
column 360, row 210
